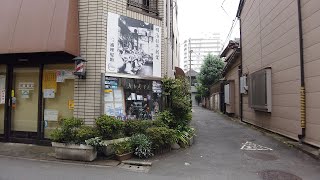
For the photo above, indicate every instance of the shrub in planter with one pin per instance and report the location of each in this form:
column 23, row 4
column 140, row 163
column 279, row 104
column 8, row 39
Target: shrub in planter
column 84, row 133
column 69, row 140
column 97, row 143
column 161, row 137
column 67, row 130
column 132, row 127
column 110, row 127
column 142, row 146
column 184, row 136
column 123, row 150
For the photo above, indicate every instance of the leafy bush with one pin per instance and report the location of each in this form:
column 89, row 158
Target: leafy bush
column 84, row 133
column 159, row 123
column 110, row 127
column 72, row 130
column 132, row 127
column 167, row 118
column 178, row 102
column 123, row 147
column 95, row 142
column 184, row 134
column 142, row 146
column 161, row 136
column 67, row 130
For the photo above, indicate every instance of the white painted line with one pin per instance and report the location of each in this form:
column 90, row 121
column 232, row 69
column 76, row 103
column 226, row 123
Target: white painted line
column 249, row 146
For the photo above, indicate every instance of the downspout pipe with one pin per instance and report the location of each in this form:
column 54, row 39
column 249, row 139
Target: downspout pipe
column 240, row 74
column 302, row 77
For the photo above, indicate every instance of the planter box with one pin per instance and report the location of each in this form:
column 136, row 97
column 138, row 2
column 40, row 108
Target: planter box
column 74, row 152
column 124, row 157
column 108, row 149
column 162, row 150
column 191, row 141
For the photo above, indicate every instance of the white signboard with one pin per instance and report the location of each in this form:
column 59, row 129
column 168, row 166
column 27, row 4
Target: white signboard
column 2, row 96
column 133, row 47
column 26, row 85
column 51, row 115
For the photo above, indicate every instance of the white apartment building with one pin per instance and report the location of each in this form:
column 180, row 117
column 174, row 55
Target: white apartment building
column 200, row 47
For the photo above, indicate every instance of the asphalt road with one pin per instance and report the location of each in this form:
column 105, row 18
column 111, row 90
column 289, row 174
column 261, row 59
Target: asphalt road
column 216, row 154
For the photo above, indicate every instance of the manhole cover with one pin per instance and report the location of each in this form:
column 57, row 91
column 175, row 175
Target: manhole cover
column 262, row 156
column 277, row 175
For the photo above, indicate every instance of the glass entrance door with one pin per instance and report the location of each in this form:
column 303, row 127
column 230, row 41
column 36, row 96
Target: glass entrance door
column 24, row 102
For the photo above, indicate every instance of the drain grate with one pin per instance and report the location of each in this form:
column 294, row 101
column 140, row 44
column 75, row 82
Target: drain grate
column 262, row 156
column 277, row 175
column 135, row 168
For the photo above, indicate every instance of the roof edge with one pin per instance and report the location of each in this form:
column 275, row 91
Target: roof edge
column 240, row 7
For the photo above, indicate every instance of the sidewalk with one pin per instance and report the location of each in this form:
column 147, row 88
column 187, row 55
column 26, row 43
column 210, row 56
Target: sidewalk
column 44, row 153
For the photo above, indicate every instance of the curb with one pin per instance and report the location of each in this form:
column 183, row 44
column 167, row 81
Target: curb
column 137, row 163
column 57, row 162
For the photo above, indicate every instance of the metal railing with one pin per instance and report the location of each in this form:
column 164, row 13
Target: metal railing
column 149, row 6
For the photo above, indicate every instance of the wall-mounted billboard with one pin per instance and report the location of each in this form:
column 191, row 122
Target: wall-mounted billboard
column 133, row 47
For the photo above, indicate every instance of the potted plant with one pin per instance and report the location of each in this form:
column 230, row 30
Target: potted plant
column 69, row 139
column 123, row 150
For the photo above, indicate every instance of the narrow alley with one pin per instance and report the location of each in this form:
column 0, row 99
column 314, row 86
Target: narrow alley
column 223, row 149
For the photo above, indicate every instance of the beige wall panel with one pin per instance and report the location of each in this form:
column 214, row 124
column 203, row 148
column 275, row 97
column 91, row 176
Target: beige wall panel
column 286, row 100
column 287, row 75
column 312, row 134
column 283, row 52
column 290, row 87
column 291, row 113
column 280, row 42
column 309, row 38
column 311, row 22
column 313, row 100
column 268, row 36
column 310, row 7
column 283, row 64
column 313, row 115
column 312, row 68
column 275, row 14
column 312, row 53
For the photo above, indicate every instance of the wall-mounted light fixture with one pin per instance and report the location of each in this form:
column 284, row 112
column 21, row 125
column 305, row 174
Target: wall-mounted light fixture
column 80, row 67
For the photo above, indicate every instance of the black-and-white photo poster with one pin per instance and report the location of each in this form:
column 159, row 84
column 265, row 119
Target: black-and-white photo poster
column 133, row 47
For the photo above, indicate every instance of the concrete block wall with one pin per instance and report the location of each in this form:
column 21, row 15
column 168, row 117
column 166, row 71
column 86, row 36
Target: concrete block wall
column 93, row 41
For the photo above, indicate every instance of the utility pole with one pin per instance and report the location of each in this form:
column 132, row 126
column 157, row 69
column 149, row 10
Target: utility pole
column 190, row 51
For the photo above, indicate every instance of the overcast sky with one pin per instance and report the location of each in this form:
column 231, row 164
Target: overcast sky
column 204, row 16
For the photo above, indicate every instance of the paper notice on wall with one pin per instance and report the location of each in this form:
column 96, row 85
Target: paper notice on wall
column 60, row 74
column 50, row 80
column 49, row 93
column 109, row 109
column 119, row 111
column 51, row 115
column 108, row 97
column 71, row 104
column 2, row 96
column 25, row 94
column 118, row 95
